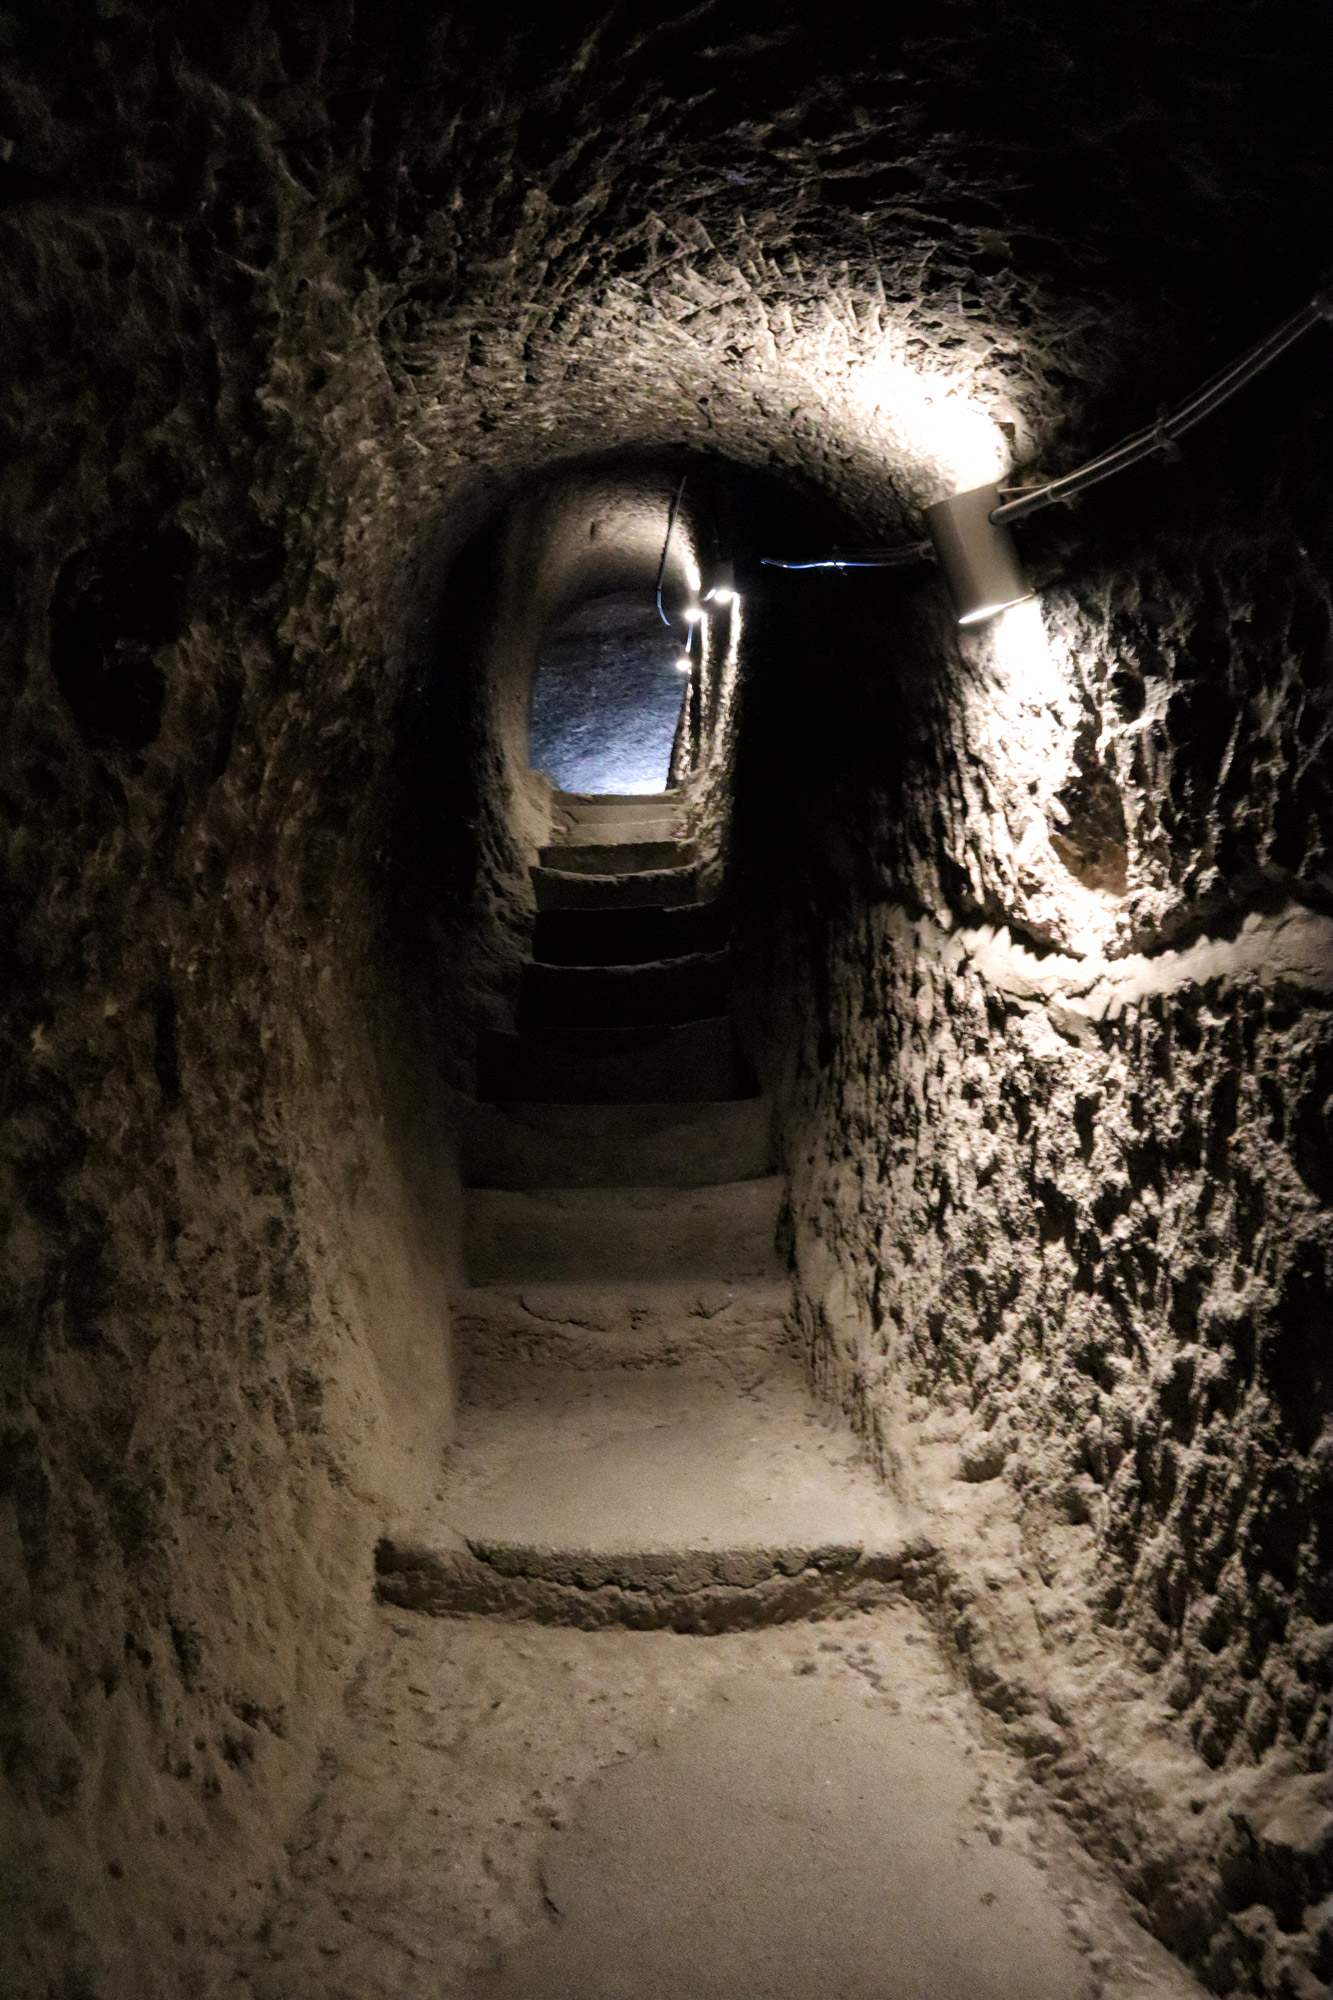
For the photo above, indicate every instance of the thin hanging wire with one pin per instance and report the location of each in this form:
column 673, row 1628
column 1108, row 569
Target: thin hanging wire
column 661, row 567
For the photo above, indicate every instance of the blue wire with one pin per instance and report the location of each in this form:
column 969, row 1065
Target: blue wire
column 848, row 562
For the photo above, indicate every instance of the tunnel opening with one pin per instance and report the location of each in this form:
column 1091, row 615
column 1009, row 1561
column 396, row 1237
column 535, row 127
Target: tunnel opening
column 607, row 695
column 597, row 623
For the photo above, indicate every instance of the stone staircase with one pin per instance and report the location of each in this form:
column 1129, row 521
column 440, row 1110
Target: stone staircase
column 624, row 999
column 636, row 1445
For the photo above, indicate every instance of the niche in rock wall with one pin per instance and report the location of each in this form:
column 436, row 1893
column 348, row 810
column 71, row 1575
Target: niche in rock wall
column 606, row 696
column 116, row 606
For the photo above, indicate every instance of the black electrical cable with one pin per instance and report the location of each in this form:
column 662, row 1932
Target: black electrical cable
column 1140, row 445
column 661, row 567
column 1161, row 435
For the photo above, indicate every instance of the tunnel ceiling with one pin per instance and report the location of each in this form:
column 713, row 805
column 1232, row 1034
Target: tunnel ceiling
column 420, row 237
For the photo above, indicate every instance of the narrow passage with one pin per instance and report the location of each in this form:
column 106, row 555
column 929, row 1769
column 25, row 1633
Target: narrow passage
column 746, row 1771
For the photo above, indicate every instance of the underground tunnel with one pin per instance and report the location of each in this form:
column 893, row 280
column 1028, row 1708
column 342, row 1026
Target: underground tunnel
column 668, row 940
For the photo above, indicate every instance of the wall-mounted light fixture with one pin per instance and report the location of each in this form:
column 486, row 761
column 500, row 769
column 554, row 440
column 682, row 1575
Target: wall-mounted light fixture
column 969, row 533
column 723, row 591
column 977, row 555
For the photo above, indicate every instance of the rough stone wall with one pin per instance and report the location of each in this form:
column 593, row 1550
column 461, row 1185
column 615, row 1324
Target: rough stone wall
column 295, row 296
column 227, row 1220
column 1058, row 1111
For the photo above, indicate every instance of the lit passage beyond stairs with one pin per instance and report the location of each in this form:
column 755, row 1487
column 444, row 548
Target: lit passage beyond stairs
column 637, row 1452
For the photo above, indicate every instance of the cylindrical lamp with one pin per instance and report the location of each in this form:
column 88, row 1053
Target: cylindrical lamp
column 979, row 560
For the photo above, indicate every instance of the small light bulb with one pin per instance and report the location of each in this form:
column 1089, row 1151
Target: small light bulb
column 692, row 614
column 723, row 595
column 684, row 664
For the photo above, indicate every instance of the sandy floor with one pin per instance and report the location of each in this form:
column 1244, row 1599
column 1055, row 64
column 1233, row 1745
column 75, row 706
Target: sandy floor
column 511, row 1810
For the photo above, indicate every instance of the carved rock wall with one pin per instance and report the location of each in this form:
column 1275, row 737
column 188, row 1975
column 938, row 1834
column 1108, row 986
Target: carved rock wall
column 1060, row 1138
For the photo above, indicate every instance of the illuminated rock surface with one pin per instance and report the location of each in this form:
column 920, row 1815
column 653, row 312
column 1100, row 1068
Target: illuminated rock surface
column 606, row 697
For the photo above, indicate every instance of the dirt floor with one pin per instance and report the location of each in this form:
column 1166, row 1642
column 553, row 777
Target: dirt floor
column 510, row 1810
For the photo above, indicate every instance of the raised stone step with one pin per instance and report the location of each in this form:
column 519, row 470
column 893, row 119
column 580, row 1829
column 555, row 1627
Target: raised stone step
column 623, row 996
column 651, row 1497
column 628, row 937
column 596, row 809
column 558, row 888
column 616, row 1145
column 619, row 832
column 692, row 1063
column 626, row 857
column 617, row 1324
column 566, row 1234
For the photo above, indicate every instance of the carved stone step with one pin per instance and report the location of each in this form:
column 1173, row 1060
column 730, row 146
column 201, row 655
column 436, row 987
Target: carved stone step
column 628, row 937
column 558, row 888
column 617, row 1145
column 626, row 857
column 726, row 1231
column 694, row 1063
column 555, row 997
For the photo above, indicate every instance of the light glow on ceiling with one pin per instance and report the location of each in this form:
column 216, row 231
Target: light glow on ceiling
column 933, row 418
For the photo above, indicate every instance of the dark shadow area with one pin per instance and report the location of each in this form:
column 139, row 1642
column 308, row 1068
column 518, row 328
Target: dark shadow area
column 847, row 674
column 115, row 607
